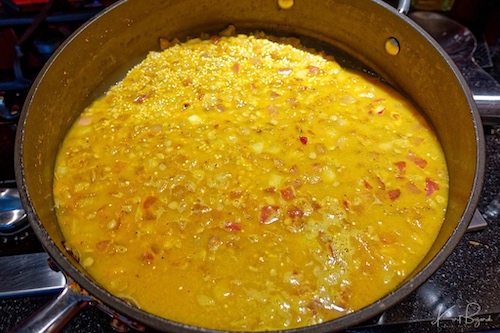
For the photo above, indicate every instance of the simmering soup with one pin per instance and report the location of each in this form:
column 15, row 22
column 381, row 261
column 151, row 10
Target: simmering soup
column 243, row 183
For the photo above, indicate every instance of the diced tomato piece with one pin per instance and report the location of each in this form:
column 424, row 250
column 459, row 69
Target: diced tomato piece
column 235, row 194
column 394, row 194
column 318, row 167
column 412, row 188
column 295, row 212
column 380, row 109
column 147, row 257
column 418, row 161
column 148, row 202
column 271, row 189
column 236, row 68
column 313, row 69
column 232, row 226
column 215, row 39
column 296, row 183
column 221, row 107
column 141, row 98
column 102, row 245
column 303, row 139
column 367, row 185
column 269, row 214
column 346, row 204
column 287, row 193
column 400, row 168
column 200, row 208
column 430, row 186
column 274, row 95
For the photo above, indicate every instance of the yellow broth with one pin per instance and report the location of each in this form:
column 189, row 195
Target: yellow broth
column 238, row 183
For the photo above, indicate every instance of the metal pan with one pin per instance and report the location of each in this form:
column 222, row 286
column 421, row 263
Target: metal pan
column 370, row 31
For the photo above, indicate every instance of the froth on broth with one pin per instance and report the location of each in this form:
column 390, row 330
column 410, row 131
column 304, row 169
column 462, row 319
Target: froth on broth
column 247, row 183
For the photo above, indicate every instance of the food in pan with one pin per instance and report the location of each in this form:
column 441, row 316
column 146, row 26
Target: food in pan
column 244, row 183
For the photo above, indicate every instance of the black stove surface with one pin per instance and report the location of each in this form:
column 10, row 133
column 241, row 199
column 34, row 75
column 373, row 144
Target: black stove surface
column 462, row 296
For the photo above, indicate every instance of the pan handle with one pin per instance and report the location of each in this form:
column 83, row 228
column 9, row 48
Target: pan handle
column 489, row 108
column 56, row 314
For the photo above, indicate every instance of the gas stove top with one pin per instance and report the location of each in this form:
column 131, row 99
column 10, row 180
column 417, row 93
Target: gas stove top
column 462, row 296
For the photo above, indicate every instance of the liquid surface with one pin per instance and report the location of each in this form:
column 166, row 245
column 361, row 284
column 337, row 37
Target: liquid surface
column 242, row 184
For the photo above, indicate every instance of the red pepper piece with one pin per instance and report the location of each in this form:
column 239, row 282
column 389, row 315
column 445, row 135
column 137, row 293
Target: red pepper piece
column 303, row 139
